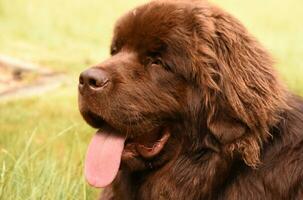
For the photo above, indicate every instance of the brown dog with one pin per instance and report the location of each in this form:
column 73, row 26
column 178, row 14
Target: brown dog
column 190, row 104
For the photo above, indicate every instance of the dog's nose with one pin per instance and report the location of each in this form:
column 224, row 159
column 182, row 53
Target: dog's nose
column 93, row 79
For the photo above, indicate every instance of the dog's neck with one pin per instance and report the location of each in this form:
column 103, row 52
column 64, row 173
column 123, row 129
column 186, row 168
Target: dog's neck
column 190, row 177
column 193, row 177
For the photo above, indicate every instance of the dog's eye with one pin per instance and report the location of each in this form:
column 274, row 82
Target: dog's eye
column 156, row 62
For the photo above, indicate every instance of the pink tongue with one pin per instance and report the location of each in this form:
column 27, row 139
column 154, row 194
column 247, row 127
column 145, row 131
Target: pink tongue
column 103, row 158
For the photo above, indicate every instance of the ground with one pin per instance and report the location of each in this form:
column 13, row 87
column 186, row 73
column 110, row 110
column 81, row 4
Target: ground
column 43, row 139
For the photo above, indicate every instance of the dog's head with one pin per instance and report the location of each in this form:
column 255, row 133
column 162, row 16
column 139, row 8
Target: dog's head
column 182, row 76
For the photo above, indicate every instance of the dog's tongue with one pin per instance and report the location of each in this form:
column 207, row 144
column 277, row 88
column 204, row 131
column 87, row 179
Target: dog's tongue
column 103, row 158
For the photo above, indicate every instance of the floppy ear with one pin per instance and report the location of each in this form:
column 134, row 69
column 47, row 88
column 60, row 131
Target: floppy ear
column 241, row 92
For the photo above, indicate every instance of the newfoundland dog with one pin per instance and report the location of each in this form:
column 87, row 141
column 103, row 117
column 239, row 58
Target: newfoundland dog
column 189, row 107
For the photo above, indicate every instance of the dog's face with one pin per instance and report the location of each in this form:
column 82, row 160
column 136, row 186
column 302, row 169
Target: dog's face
column 141, row 91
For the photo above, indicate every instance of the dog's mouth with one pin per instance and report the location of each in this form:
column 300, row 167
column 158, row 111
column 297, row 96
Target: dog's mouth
column 109, row 145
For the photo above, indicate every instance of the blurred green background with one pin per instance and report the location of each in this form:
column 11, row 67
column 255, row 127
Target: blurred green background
column 43, row 139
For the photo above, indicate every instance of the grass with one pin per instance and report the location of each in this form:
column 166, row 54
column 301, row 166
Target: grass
column 43, row 139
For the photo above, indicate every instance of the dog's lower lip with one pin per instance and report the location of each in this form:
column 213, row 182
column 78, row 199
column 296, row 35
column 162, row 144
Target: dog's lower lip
column 150, row 152
column 148, row 147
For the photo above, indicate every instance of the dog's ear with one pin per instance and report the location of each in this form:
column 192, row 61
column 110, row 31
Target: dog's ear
column 242, row 95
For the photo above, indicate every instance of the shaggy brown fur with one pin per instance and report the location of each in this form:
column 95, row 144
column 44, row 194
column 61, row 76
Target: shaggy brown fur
column 236, row 132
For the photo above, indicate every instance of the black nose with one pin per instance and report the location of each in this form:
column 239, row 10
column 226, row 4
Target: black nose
column 93, row 79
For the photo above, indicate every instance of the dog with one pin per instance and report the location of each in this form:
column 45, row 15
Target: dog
column 189, row 107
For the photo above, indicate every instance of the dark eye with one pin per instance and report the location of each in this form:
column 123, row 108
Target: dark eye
column 156, row 61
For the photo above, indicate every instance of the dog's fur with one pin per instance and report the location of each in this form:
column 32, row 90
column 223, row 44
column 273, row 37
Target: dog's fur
column 236, row 131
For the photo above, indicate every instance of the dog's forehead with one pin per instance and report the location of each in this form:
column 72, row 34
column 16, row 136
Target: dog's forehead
column 153, row 21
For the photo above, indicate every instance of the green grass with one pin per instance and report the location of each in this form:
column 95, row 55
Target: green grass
column 43, row 139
